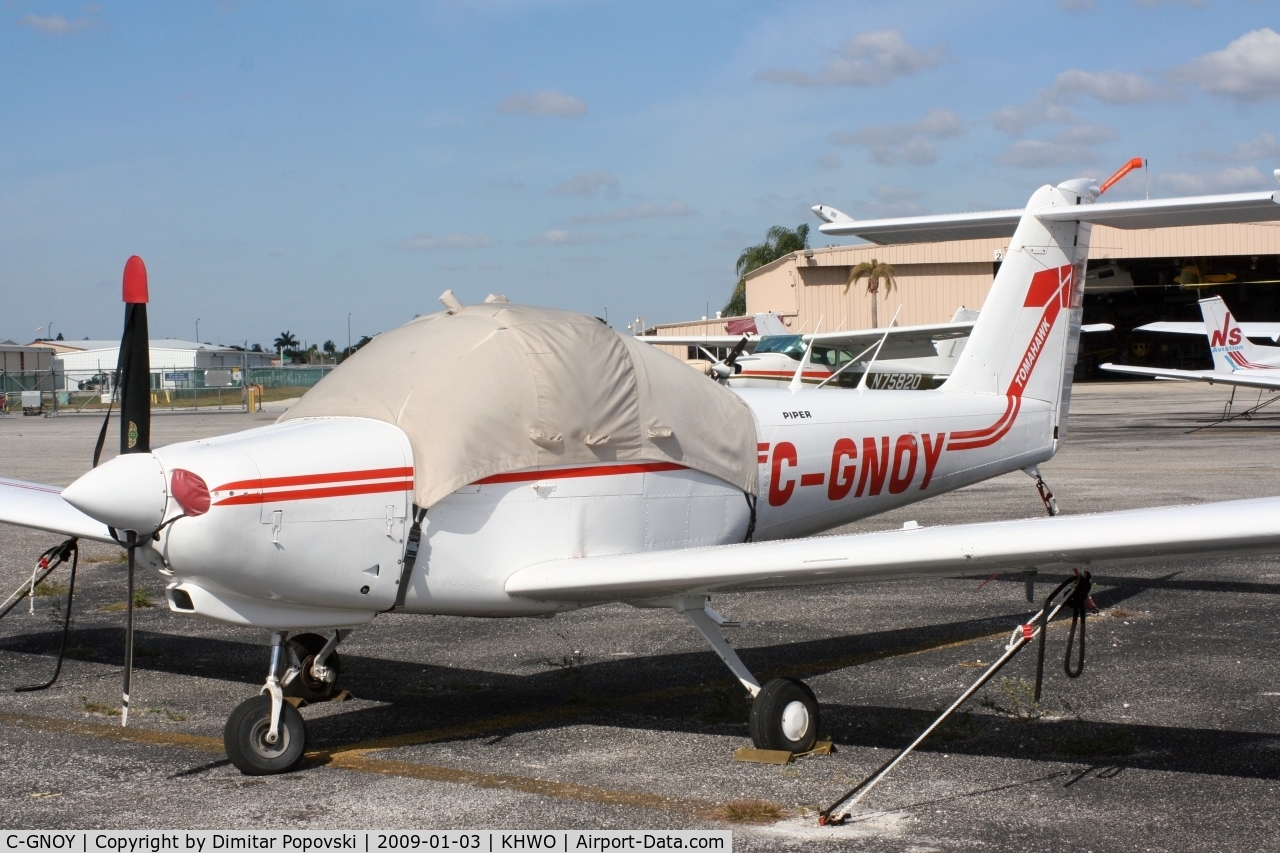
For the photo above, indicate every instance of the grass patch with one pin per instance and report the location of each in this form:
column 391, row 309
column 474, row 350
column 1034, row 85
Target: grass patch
column 750, row 811
column 45, row 588
column 95, row 708
column 140, row 599
column 1018, row 694
column 177, row 718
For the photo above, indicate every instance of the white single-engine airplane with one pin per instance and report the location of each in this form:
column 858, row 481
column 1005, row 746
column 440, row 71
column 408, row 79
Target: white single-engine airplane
column 1236, row 360
column 522, row 461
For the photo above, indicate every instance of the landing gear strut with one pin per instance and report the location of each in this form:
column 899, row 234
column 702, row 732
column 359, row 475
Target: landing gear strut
column 784, row 712
column 266, row 734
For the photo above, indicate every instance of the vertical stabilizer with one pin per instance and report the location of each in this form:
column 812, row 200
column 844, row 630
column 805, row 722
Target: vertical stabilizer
column 1232, row 351
column 1025, row 341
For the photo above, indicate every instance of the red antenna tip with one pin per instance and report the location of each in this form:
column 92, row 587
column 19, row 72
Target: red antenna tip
column 135, row 281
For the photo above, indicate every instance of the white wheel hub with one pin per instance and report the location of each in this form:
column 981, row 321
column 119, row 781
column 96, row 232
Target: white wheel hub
column 795, row 721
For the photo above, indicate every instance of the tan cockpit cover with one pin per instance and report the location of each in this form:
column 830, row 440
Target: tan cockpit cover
column 496, row 388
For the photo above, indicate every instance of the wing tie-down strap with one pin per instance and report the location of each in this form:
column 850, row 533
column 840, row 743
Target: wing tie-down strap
column 1077, row 598
column 410, row 556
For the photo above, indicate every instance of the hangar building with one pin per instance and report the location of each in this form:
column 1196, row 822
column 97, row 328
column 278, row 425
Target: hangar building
column 174, row 363
column 1135, row 277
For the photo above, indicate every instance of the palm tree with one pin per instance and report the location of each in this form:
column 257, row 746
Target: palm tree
column 778, row 242
column 285, row 340
column 877, row 274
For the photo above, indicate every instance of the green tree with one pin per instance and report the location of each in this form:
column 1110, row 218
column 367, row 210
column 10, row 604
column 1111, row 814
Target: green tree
column 330, row 348
column 779, row 241
column 285, row 340
column 877, row 275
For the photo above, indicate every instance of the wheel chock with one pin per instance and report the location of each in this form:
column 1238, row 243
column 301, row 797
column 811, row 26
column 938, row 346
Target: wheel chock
column 822, row 747
column 296, row 701
column 341, row 696
column 762, row 756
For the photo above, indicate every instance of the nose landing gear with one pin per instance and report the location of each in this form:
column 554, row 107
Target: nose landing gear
column 266, row 734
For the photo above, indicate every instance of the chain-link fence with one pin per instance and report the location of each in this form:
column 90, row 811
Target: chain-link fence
column 53, row 391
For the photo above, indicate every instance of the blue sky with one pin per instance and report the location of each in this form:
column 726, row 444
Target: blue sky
column 280, row 165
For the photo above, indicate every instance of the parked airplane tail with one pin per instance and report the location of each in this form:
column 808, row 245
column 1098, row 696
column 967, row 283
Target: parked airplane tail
column 1232, row 351
column 1026, row 338
column 1025, row 341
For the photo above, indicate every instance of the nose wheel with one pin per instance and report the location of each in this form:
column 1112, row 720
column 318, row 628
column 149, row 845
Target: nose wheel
column 247, row 738
column 784, row 715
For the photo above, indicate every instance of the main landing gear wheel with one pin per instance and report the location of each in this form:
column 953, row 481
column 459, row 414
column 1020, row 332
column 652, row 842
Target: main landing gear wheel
column 784, row 715
column 304, row 686
column 245, row 738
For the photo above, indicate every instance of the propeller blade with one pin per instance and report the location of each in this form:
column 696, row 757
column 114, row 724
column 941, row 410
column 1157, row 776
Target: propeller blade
column 135, row 362
column 128, row 634
column 134, row 368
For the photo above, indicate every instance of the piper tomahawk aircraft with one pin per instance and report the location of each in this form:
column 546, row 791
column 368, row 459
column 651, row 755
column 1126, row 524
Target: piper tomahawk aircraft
column 584, row 467
column 1236, row 360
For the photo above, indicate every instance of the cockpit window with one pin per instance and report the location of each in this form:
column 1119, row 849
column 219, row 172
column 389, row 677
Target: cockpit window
column 792, row 346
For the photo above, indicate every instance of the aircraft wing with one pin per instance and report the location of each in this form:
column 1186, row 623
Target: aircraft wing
column 1173, row 327
column 1147, row 213
column 1232, row 527
column 42, row 507
column 898, row 335
column 1213, row 377
column 700, row 340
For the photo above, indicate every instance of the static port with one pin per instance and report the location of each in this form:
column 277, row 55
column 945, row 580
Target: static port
column 364, row 590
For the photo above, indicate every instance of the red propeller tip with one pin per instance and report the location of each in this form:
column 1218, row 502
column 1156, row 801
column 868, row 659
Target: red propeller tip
column 135, row 281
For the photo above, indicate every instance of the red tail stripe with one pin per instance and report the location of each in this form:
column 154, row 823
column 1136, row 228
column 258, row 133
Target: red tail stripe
column 1004, row 424
column 313, row 479
column 309, row 494
column 572, row 473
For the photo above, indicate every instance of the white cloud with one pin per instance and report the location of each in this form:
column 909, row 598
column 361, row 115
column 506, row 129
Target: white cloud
column 830, row 160
column 895, row 144
column 1017, row 120
column 1230, row 179
column 449, row 241
column 893, row 201
column 641, row 211
column 1248, row 69
column 1049, row 105
column 589, row 184
column 1070, row 147
column 558, row 237
column 545, row 103
column 1110, row 87
column 868, row 59
column 1264, row 147
column 54, row 25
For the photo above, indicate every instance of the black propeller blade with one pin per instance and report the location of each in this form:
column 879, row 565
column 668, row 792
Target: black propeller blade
column 134, row 383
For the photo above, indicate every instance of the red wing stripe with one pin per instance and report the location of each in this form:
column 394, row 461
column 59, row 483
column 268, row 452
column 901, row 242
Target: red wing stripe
column 30, row 488
column 812, row 479
column 308, row 494
column 313, row 479
column 573, row 473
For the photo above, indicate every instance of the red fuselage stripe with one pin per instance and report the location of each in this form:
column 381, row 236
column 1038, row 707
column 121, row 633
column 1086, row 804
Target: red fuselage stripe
column 588, row 471
column 313, row 479
column 308, row 494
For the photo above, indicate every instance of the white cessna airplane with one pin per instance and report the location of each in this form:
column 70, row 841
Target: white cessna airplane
column 897, row 357
column 1236, row 360
column 521, row 461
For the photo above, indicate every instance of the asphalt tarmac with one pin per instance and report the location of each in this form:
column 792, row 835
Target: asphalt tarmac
column 621, row 718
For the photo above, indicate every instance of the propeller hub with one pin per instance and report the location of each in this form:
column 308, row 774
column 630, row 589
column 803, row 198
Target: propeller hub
column 127, row 493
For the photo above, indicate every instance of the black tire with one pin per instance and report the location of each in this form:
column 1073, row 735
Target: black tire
column 307, row 646
column 245, row 738
column 784, row 715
